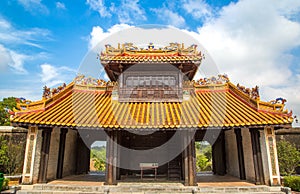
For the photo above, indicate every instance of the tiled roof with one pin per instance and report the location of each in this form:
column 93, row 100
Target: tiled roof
column 222, row 107
column 119, row 59
column 151, row 58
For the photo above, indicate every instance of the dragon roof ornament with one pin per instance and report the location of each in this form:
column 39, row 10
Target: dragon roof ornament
column 90, row 81
column 130, row 48
column 253, row 92
column 220, row 79
column 48, row 93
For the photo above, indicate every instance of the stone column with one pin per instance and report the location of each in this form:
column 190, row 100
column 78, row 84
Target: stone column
column 32, row 156
column 109, row 158
column 185, row 159
column 191, row 159
column 61, row 152
column 239, row 143
column 270, row 159
column 118, row 155
column 87, row 158
column 46, row 137
column 257, row 157
column 83, row 156
column 248, row 155
column 219, row 155
column 115, row 156
column 194, row 172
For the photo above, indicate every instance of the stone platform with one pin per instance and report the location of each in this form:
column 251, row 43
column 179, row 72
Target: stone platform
column 89, row 184
column 147, row 188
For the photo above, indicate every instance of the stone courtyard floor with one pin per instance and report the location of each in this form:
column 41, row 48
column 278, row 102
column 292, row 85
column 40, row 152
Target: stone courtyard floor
column 204, row 180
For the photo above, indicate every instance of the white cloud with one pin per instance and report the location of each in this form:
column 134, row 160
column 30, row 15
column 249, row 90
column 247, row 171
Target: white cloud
column 13, row 60
column 97, row 34
column 251, row 41
column 49, row 74
column 5, row 58
column 60, row 5
column 52, row 75
column 170, row 17
column 12, row 39
column 4, row 24
column 11, row 36
column 18, row 62
column 127, row 11
column 253, row 45
column 199, row 9
column 130, row 11
column 34, row 6
column 99, row 5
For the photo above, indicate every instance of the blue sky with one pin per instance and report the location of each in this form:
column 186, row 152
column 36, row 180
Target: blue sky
column 256, row 42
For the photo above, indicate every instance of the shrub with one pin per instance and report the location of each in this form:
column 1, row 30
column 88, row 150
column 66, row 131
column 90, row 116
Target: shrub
column 11, row 160
column 293, row 182
column 202, row 163
column 288, row 157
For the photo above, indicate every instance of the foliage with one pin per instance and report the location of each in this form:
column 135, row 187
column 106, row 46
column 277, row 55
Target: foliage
column 98, row 155
column 15, row 161
column 288, row 157
column 5, row 183
column 3, row 154
column 203, row 156
column 10, row 157
column 208, row 153
column 202, row 163
column 9, row 103
column 293, row 182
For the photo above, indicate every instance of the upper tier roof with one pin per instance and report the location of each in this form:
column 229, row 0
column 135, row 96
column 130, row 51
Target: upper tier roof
column 117, row 60
column 213, row 103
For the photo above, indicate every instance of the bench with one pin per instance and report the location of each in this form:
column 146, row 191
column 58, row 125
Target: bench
column 145, row 166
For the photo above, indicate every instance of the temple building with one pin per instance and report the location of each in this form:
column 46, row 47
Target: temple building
column 150, row 113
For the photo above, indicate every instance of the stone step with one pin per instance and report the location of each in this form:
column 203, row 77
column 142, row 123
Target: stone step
column 150, row 188
column 121, row 192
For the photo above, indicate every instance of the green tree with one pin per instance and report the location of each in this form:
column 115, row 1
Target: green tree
column 98, row 155
column 208, row 153
column 203, row 156
column 288, row 157
column 9, row 103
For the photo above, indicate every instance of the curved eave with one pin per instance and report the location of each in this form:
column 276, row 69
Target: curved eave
column 204, row 110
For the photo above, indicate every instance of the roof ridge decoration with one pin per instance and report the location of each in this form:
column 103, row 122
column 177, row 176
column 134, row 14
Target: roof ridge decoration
column 220, row 79
column 130, row 48
column 83, row 80
column 253, row 92
column 48, row 93
column 90, row 81
column 49, row 96
column 279, row 100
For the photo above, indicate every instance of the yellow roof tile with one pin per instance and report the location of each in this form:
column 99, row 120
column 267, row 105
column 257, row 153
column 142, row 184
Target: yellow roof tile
column 209, row 108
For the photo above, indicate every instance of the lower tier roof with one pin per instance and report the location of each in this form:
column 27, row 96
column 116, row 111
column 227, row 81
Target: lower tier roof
column 220, row 108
